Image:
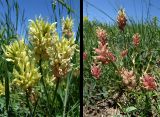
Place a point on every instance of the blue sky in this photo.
(43, 8)
(134, 9)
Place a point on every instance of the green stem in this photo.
(6, 88)
(35, 107)
(27, 100)
(114, 65)
(66, 96)
(134, 61)
(42, 80)
(148, 65)
(148, 110)
(55, 91)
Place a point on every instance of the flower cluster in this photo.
(136, 39)
(121, 19)
(96, 71)
(124, 53)
(67, 25)
(128, 78)
(60, 55)
(84, 55)
(62, 50)
(102, 35)
(104, 55)
(148, 82)
(25, 73)
(40, 34)
(76, 71)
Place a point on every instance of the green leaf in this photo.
(130, 109)
(66, 6)
(159, 107)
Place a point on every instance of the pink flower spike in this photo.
(121, 19)
(96, 71)
(124, 53)
(148, 82)
(102, 35)
(128, 78)
(104, 55)
(111, 57)
(84, 55)
(136, 39)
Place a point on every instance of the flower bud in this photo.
(124, 53)
(121, 19)
(102, 35)
(128, 78)
(148, 82)
(96, 71)
(136, 39)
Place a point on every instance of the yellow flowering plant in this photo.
(40, 35)
(31, 66)
(43, 64)
(67, 25)
(60, 55)
(25, 73)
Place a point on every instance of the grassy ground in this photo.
(108, 95)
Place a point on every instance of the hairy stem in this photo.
(28, 104)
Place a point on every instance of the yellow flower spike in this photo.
(25, 73)
(67, 25)
(85, 19)
(11, 50)
(40, 34)
(2, 89)
(61, 54)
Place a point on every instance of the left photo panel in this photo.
(39, 58)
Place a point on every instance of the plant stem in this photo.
(148, 65)
(55, 91)
(66, 95)
(148, 105)
(147, 109)
(35, 107)
(27, 96)
(6, 88)
(42, 80)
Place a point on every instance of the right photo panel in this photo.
(121, 58)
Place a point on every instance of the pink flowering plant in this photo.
(122, 67)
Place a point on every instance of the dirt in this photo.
(104, 108)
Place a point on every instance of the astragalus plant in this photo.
(42, 69)
(25, 73)
(121, 66)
